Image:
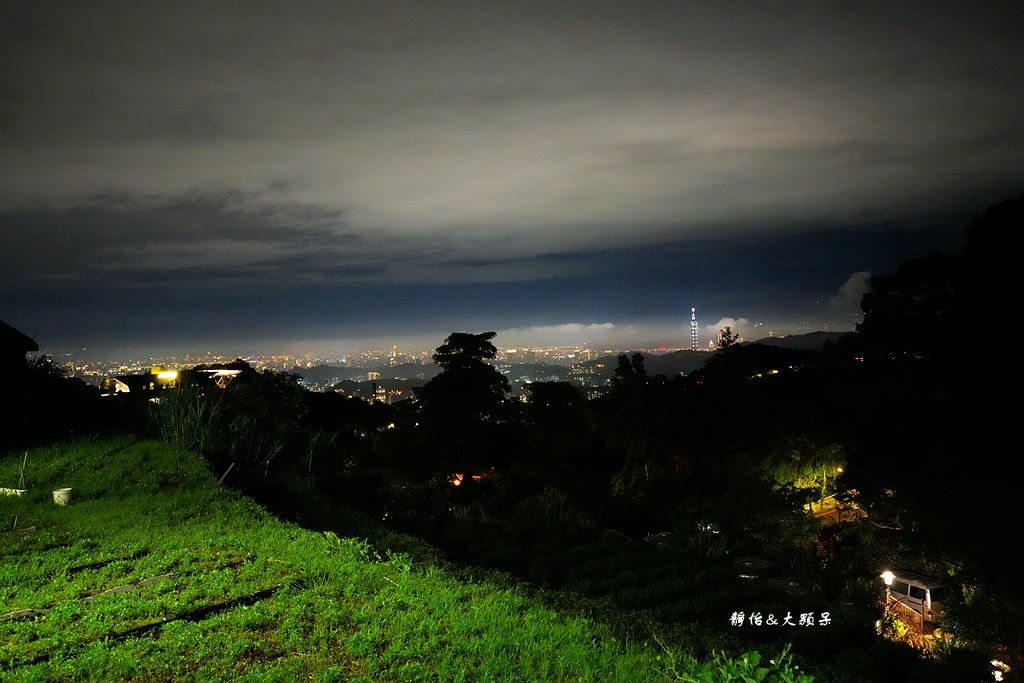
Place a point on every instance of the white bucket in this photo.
(62, 496)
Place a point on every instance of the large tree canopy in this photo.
(943, 432)
(468, 389)
(465, 350)
(460, 406)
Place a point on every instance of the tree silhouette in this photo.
(460, 407)
(630, 371)
(467, 389)
(465, 350)
(942, 432)
(726, 338)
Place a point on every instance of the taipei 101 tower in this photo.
(693, 329)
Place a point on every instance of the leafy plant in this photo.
(745, 668)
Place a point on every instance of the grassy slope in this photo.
(251, 597)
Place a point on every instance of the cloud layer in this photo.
(846, 302)
(512, 165)
(484, 122)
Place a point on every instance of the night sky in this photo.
(243, 177)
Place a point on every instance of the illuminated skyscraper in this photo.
(693, 329)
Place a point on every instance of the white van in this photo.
(923, 594)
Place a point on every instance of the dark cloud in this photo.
(112, 238)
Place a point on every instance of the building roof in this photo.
(916, 579)
(13, 340)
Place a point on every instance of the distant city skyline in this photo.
(250, 177)
(606, 338)
(598, 336)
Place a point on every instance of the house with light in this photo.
(160, 378)
(157, 379)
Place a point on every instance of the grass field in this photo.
(156, 573)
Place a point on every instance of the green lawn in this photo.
(156, 573)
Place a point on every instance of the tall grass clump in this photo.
(191, 419)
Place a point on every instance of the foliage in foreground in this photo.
(222, 590)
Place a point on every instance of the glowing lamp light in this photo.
(888, 576)
(167, 374)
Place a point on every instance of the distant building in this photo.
(693, 328)
(221, 377)
(372, 376)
